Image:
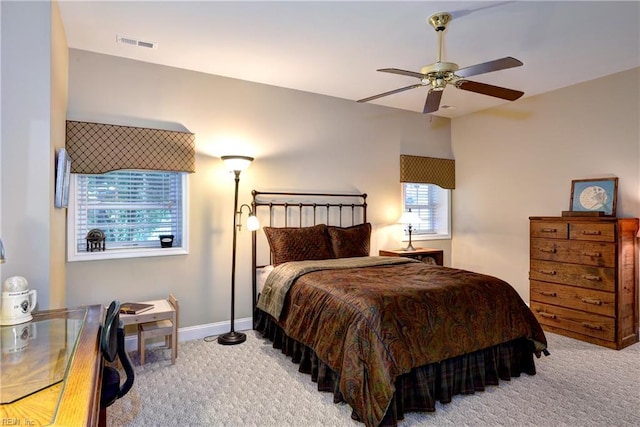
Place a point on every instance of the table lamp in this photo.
(409, 219)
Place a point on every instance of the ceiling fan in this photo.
(439, 74)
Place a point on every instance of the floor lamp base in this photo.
(232, 338)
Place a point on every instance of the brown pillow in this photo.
(350, 241)
(298, 244)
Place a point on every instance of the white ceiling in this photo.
(334, 47)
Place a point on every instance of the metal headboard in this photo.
(283, 209)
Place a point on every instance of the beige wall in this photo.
(512, 162)
(518, 161)
(301, 141)
(33, 109)
(59, 89)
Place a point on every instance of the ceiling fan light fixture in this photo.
(439, 83)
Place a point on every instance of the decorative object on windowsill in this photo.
(236, 164)
(96, 240)
(410, 219)
(166, 240)
(593, 197)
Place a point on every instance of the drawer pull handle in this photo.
(549, 272)
(592, 326)
(591, 301)
(591, 232)
(592, 278)
(549, 230)
(593, 254)
(549, 294)
(547, 315)
(548, 250)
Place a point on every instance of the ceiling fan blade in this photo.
(487, 67)
(402, 72)
(391, 92)
(433, 101)
(486, 89)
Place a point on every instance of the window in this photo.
(432, 204)
(133, 208)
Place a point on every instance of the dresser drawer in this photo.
(588, 253)
(589, 300)
(584, 323)
(550, 230)
(599, 278)
(592, 231)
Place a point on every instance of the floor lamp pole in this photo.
(233, 337)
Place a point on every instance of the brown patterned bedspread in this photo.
(373, 324)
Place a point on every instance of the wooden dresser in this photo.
(584, 278)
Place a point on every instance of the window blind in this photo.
(423, 200)
(133, 208)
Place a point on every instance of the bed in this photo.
(386, 335)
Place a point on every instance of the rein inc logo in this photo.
(16, 422)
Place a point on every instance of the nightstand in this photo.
(421, 254)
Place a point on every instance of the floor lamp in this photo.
(236, 164)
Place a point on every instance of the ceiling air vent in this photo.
(134, 42)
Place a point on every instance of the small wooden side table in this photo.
(162, 309)
(421, 254)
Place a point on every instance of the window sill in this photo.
(419, 237)
(126, 253)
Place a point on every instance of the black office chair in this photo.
(112, 344)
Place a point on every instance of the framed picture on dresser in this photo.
(594, 195)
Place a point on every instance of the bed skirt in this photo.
(423, 386)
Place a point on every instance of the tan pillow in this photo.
(298, 244)
(350, 241)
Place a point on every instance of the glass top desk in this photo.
(50, 368)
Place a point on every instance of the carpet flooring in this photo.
(253, 384)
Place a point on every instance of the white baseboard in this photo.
(196, 332)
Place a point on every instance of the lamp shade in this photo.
(409, 217)
(236, 163)
(252, 223)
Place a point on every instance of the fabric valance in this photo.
(428, 170)
(97, 148)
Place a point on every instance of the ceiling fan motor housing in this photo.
(439, 67)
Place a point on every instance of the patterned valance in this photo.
(97, 148)
(428, 170)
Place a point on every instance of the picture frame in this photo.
(594, 195)
(63, 172)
